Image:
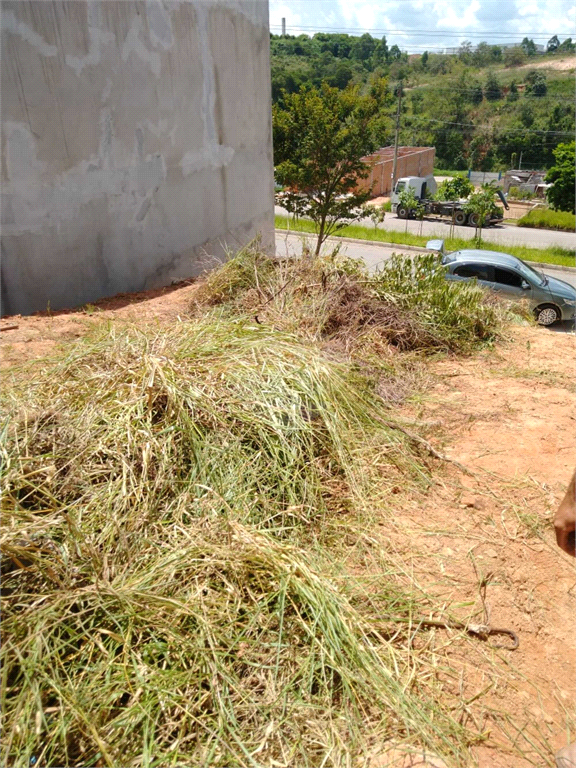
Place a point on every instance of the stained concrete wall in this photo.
(136, 139)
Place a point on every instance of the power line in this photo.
(487, 127)
(420, 32)
(426, 87)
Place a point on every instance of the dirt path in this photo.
(559, 65)
(508, 415)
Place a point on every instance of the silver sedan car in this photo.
(550, 299)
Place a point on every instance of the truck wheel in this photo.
(473, 219)
(402, 212)
(460, 218)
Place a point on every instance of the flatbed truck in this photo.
(454, 210)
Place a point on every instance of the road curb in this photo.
(416, 248)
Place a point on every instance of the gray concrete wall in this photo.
(136, 139)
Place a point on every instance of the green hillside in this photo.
(481, 109)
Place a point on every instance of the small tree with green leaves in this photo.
(456, 188)
(528, 46)
(481, 204)
(536, 84)
(514, 57)
(513, 92)
(408, 202)
(562, 176)
(320, 138)
(375, 213)
(492, 91)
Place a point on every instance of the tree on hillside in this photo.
(465, 51)
(424, 59)
(553, 44)
(562, 176)
(320, 137)
(364, 47)
(513, 92)
(528, 46)
(492, 90)
(476, 94)
(482, 56)
(536, 83)
(381, 53)
(567, 46)
(496, 52)
(514, 57)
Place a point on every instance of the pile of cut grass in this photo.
(549, 219)
(407, 304)
(171, 503)
(167, 597)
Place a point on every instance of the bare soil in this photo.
(507, 414)
(560, 65)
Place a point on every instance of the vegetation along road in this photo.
(373, 255)
(502, 235)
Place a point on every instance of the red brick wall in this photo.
(412, 161)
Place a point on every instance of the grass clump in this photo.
(167, 597)
(407, 304)
(551, 255)
(549, 219)
(454, 315)
(171, 499)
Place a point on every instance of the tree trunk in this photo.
(320, 236)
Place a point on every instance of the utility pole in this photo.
(394, 167)
(283, 27)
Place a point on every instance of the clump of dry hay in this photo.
(166, 592)
(166, 498)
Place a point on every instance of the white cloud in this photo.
(406, 22)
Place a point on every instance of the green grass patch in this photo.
(453, 174)
(548, 219)
(552, 255)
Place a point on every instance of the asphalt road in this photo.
(504, 234)
(375, 255)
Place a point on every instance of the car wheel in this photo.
(546, 314)
(473, 219)
(402, 212)
(460, 218)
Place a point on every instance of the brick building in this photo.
(412, 161)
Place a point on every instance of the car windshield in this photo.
(531, 274)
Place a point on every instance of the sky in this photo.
(418, 25)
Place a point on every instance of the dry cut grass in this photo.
(170, 500)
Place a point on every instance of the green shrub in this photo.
(515, 193)
(548, 219)
(454, 189)
(457, 315)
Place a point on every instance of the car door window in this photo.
(479, 271)
(507, 277)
